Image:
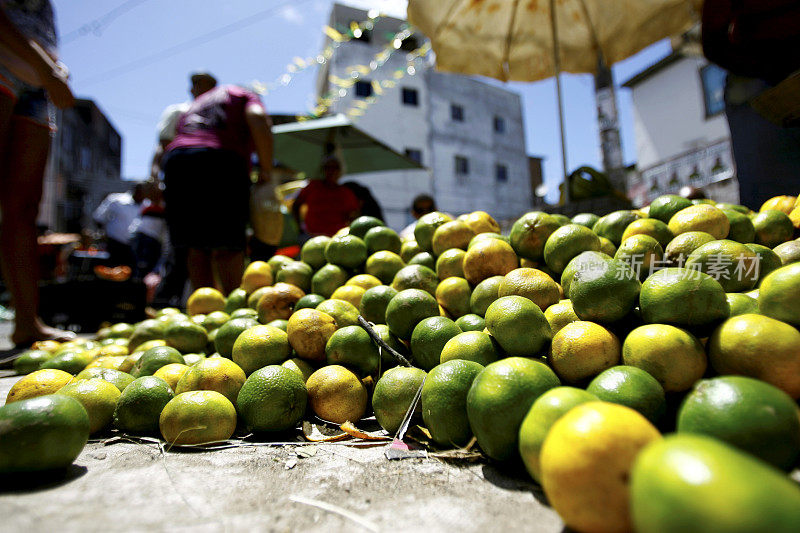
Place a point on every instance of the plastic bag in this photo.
(265, 214)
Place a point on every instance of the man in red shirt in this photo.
(329, 206)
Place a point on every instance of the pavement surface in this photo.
(136, 486)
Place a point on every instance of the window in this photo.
(415, 154)
(461, 165)
(456, 113)
(713, 80)
(410, 96)
(363, 89)
(501, 173)
(499, 125)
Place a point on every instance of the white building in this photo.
(682, 136)
(468, 133)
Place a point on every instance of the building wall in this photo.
(669, 114)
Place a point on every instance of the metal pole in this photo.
(557, 62)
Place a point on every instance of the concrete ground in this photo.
(124, 486)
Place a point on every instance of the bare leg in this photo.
(199, 264)
(229, 265)
(24, 147)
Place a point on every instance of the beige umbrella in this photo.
(530, 40)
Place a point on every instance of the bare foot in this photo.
(40, 332)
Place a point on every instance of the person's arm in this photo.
(260, 127)
(158, 156)
(297, 205)
(52, 76)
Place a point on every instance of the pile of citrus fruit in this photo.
(569, 345)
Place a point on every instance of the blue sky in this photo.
(134, 62)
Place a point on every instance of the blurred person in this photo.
(172, 286)
(207, 181)
(368, 205)
(30, 75)
(329, 206)
(149, 233)
(758, 43)
(422, 205)
(115, 215)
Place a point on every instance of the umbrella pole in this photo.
(559, 97)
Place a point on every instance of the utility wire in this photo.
(99, 24)
(249, 20)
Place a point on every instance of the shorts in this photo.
(207, 198)
(30, 102)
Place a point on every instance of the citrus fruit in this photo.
(278, 302)
(444, 401)
(487, 235)
(277, 262)
(171, 373)
(382, 238)
(214, 320)
(229, 332)
(155, 358)
(255, 297)
(280, 323)
(544, 412)
(69, 361)
(450, 263)
(530, 232)
(741, 304)
(560, 314)
(407, 309)
(313, 251)
(349, 293)
(607, 247)
(214, 373)
(393, 394)
(642, 253)
(361, 225)
(308, 333)
(476, 346)
(144, 331)
(29, 361)
(336, 394)
(604, 291)
(567, 242)
(582, 261)
(429, 338)
(374, 301)
(768, 260)
(684, 298)
(784, 204)
(789, 252)
(365, 281)
(758, 346)
(425, 259)
(327, 279)
(273, 398)
(772, 228)
(43, 433)
(582, 350)
(671, 355)
(500, 397)
(296, 273)
(192, 358)
(140, 405)
(683, 245)
(487, 258)
(415, 277)
(471, 322)
(205, 300)
(612, 225)
(731, 263)
(586, 461)
(426, 227)
(481, 222)
(197, 417)
(117, 378)
(97, 396)
(343, 313)
(705, 485)
(384, 265)
(632, 387)
(453, 234)
(532, 284)
(746, 413)
(779, 294)
(387, 359)
(651, 227)
(585, 219)
(260, 346)
(38, 383)
(453, 294)
(186, 337)
(302, 368)
(309, 301)
(351, 346)
(408, 249)
(256, 275)
(484, 294)
(700, 217)
(518, 325)
(664, 207)
(742, 229)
